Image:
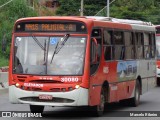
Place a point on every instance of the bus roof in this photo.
(100, 22)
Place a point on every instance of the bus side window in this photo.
(147, 47)
(152, 44)
(97, 34)
(129, 45)
(139, 45)
(95, 50)
(93, 57)
(119, 45)
(108, 46)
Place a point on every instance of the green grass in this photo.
(3, 61)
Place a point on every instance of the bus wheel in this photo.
(36, 109)
(99, 109)
(136, 99)
(158, 81)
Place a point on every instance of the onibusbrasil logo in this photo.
(21, 114)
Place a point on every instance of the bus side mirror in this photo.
(94, 49)
(4, 44)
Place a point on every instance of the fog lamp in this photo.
(70, 88)
(63, 89)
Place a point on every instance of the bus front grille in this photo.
(45, 81)
(54, 100)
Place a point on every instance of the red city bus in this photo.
(158, 53)
(80, 61)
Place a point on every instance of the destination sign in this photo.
(55, 26)
(50, 27)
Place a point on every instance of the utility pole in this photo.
(107, 8)
(81, 10)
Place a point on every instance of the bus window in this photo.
(96, 33)
(119, 45)
(108, 46)
(95, 49)
(129, 45)
(152, 43)
(146, 46)
(139, 45)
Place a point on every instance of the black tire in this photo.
(99, 109)
(36, 109)
(158, 81)
(136, 99)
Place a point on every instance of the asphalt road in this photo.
(149, 105)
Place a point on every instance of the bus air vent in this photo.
(21, 80)
(21, 76)
(55, 89)
(36, 89)
(55, 100)
(45, 81)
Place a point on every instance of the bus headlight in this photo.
(17, 84)
(77, 86)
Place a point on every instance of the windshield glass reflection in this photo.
(33, 55)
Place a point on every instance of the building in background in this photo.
(51, 4)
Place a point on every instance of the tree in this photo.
(146, 10)
(8, 15)
(72, 7)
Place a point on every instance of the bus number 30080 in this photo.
(69, 79)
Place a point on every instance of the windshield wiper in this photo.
(45, 44)
(40, 45)
(58, 48)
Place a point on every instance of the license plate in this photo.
(45, 97)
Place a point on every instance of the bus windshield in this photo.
(158, 46)
(34, 55)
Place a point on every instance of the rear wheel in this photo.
(36, 109)
(158, 81)
(136, 99)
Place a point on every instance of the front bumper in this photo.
(77, 97)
